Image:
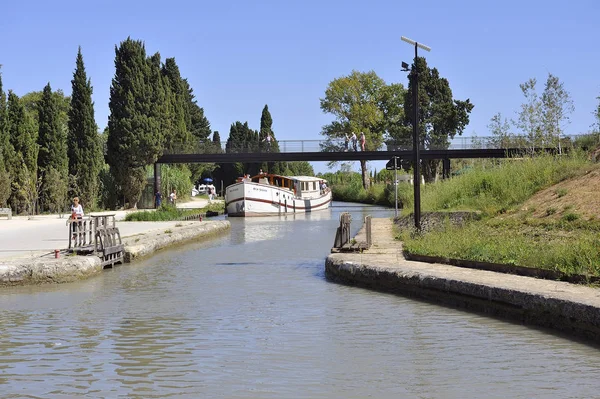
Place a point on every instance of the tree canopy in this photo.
(356, 103)
(441, 117)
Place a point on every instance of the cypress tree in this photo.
(266, 123)
(84, 151)
(199, 126)
(3, 133)
(177, 99)
(5, 150)
(23, 165)
(135, 136)
(52, 143)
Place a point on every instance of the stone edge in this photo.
(570, 317)
(18, 272)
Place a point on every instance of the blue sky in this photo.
(240, 55)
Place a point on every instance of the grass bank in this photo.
(167, 213)
(535, 212)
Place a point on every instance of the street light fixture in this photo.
(416, 156)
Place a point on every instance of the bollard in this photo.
(57, 253)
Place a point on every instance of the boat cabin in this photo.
(303, 186)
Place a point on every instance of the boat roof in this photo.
(298, 178)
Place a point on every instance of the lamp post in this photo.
(416, 156)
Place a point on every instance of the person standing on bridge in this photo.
(353, 138)
(362, 141)
(346, 141)
(268, 139)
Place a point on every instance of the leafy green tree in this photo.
(52, 141)
(530, 115)
(440, 116)
(557, 105)
(85, 152)
(23, 165)
(596, 113)
(355, 102)
(135, 136)
(392, 107)
(500, 131)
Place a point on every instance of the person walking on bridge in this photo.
(354, 142)
(362, 141)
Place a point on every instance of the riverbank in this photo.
(570, 308)
(28, 247)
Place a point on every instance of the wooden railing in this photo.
(97, 234)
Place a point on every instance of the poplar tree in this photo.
(52, 159)
(135, 137)
(84, 151)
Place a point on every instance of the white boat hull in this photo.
(255, 199)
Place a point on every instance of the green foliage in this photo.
(588, 141)
(297, 168)
(570, 217)
(55, 191)
(5, 184)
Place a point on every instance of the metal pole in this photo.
(416, 157)
(396, 186)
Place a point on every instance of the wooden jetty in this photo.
(96, 235)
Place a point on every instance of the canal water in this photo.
(251, 315)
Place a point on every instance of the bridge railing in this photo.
(338, 145)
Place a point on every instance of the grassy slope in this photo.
(542, 212)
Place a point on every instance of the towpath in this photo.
(41, 235)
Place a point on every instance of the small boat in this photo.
(268, 195)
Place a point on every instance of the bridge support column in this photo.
(446, 168)
(157, 180)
